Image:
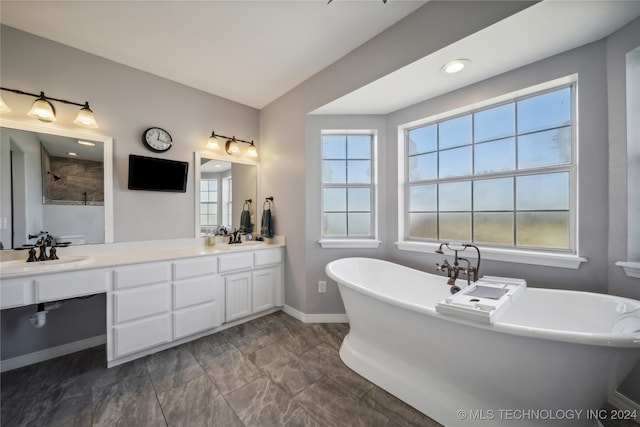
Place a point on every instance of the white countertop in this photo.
(114, 254)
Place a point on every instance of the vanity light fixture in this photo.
(231, 146)
(251, 151)
(87, 143)
(4, 108)
(212, 143)
(455, 66)
(43, 110)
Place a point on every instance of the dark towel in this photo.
(267, 225)
(245, 222)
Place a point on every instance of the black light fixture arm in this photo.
(233, 138)
(42, 95)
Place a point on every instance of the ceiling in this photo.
(253, 52)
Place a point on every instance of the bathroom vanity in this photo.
(157, 299)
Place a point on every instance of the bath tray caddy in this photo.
(485, 300)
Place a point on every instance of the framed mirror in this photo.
(224, 189)
(54, 180)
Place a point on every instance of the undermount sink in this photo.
(22, 266)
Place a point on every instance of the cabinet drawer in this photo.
(268, 257)
(138, 275)
(13, 292)
(240, 261)
(194, 291)
(49, 288)
(140, 335)
(142, 302)
(196, 319)
(187, 268)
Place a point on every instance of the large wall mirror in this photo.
(57, 181)
(224, 189)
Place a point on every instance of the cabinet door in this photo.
(263, 284)
(238, 292)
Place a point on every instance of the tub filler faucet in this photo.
(453, 271)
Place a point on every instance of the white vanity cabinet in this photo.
(139, 309)
(258, 287)
(27, 290)
(198, 296)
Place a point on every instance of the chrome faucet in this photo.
(453, 271)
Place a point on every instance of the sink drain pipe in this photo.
(39, 319)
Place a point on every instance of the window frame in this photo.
(567, 258)
(210, 202)
(370, 241)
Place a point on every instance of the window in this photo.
(208, 202)
(501, 176)
(227, 201)
(348, 190)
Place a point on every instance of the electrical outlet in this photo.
(322, 287)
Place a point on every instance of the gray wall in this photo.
(618, 44)
(284, 168)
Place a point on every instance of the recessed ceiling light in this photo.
(72, 153)
(87, 143)
(455, 66)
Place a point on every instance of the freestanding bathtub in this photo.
(553, 357)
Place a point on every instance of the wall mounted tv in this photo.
(153, 174)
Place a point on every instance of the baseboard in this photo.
(51, 353)
(621, 401)
(315, 318)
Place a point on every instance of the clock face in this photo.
(157, 140)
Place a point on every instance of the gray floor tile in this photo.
(197, 403)
(129, 402)
(397, 410)
(104, 377)
(231, 370)
(286, 369)
(172, 367)
(261, 403)
(332, 405)
(327, 359)
(249, 338)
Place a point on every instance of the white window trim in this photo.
(515, 255)
(346, 242)
(349, 243)
(631, 266)
(548, 259)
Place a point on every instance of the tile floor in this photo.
(271, 371)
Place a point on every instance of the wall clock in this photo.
(157, 140)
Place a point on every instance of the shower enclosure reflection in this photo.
(54, 180)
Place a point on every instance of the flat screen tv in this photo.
(153, 174)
